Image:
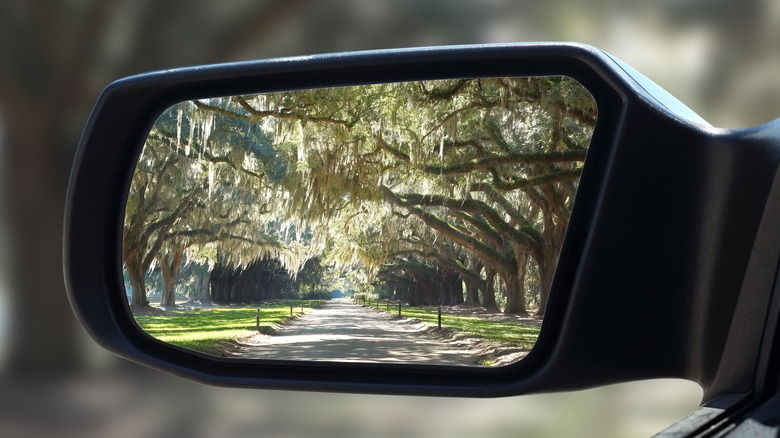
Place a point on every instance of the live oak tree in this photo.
(199, 181)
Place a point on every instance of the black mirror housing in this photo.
(671, 242)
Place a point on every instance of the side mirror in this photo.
(423, 179)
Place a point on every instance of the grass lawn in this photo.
(506, 332)
(205, 329)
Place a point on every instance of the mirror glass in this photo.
(413, 222)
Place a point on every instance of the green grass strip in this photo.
(506, 332)
(204, 329)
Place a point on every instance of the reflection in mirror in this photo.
(415, 222)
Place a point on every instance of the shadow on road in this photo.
(343, 331)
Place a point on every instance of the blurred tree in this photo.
(55, 57)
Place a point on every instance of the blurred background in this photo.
(719, 57)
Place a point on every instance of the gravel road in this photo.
(344, 331)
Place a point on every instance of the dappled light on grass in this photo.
(204, 329)
(510, 332)
(341, 330)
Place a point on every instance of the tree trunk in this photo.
(169, 268)
(515, 296)
(203, 293)
(546, 273)
(472, 287)
(547, 262)
(168, 298)
(515, 286)
(455, 283)
(137, 283)
(472, 293)
(245, 285)
(489, 294)
(219, 282)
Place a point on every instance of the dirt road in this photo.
(347, 332)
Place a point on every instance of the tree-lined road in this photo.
(433, 192)
(347, 332)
